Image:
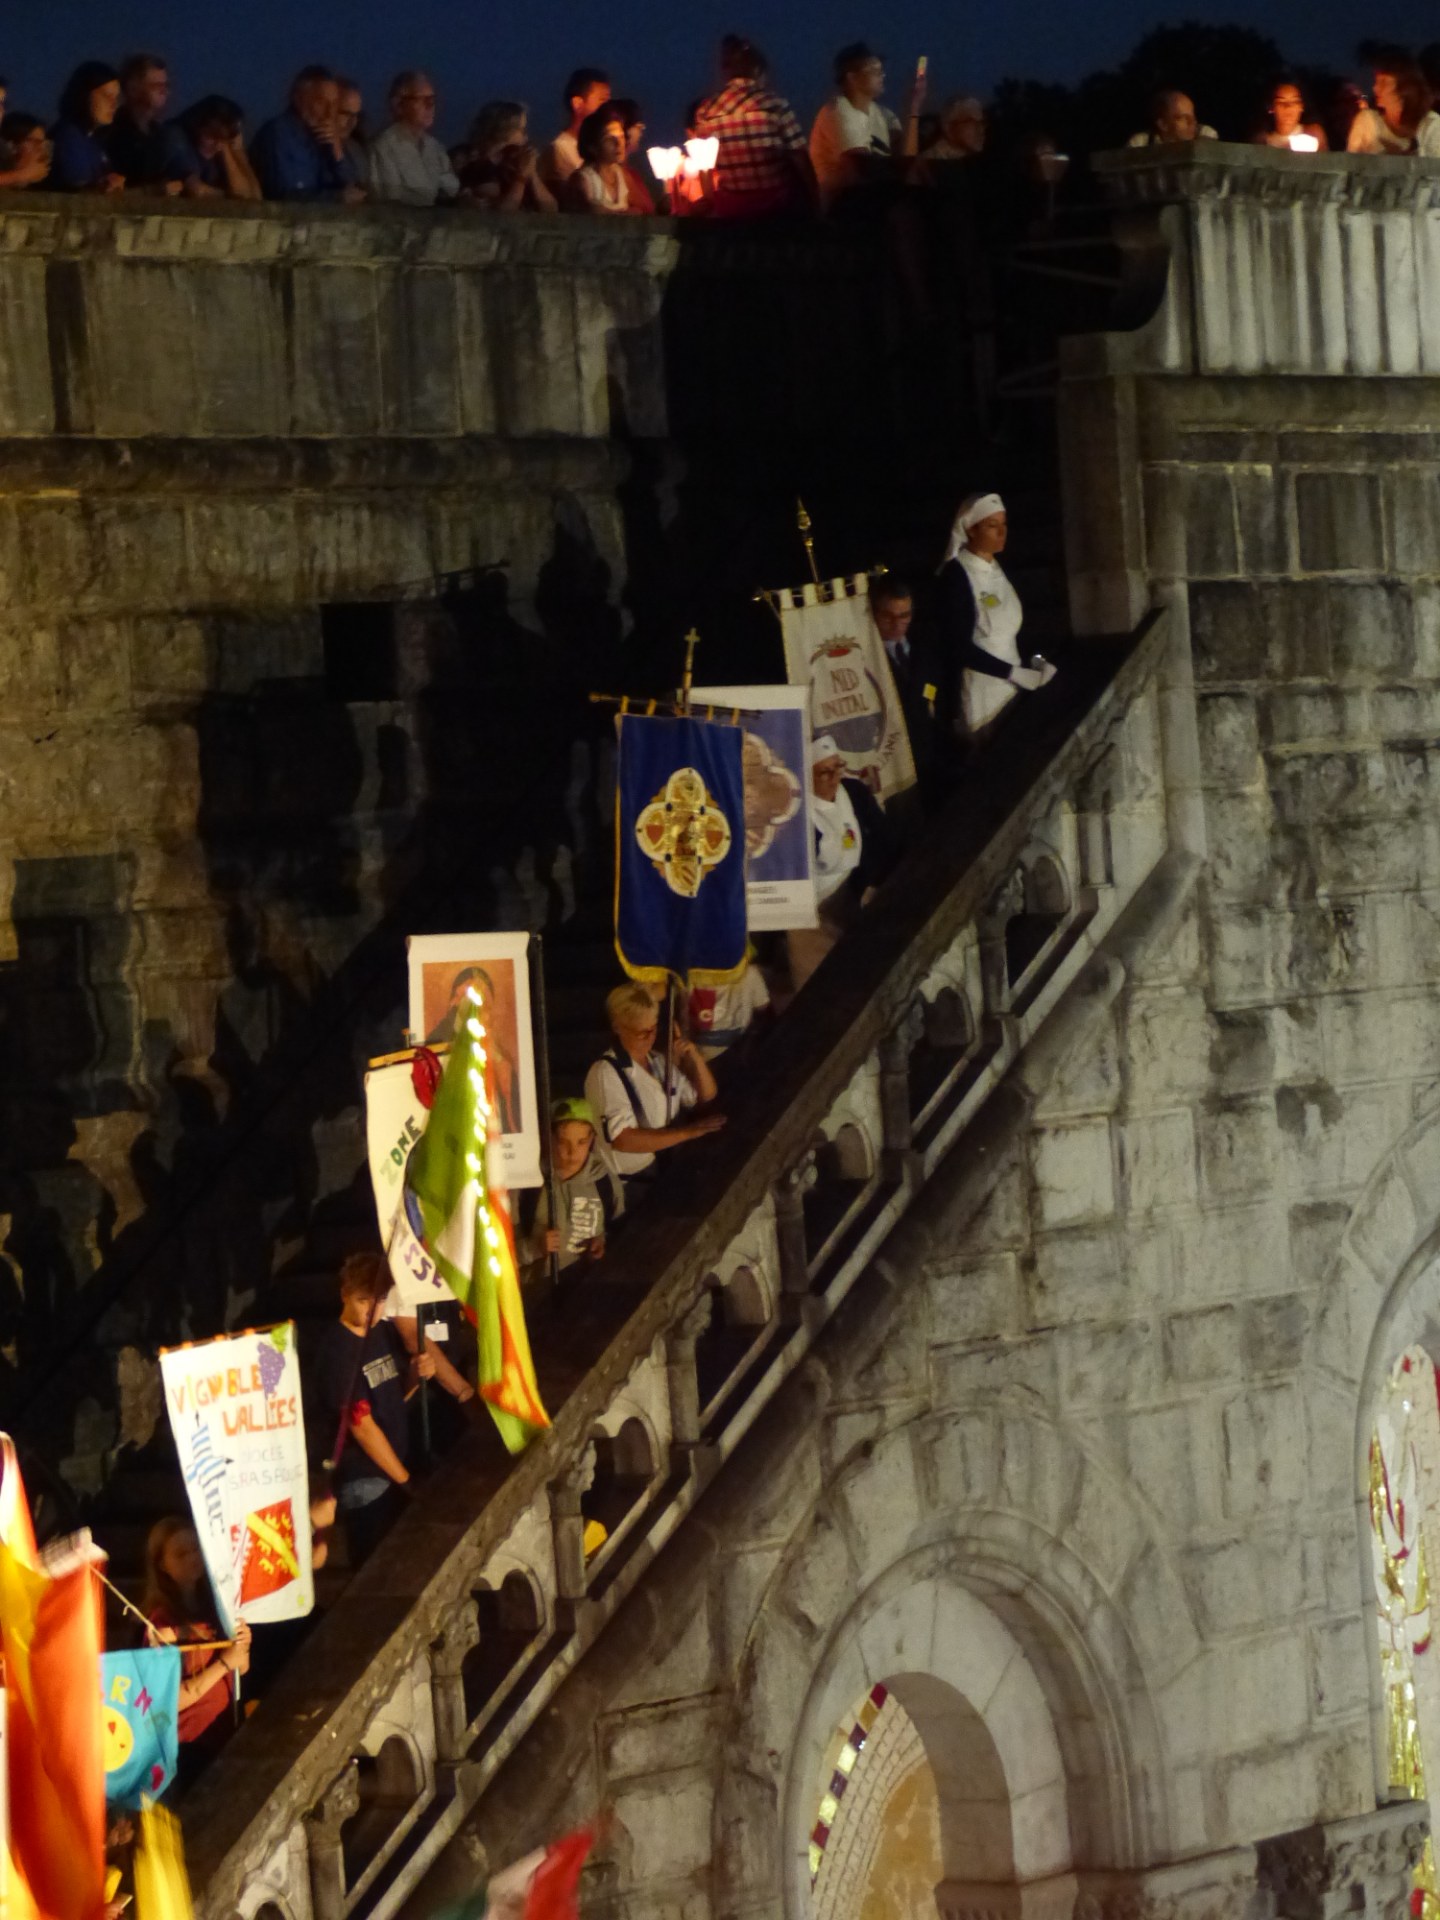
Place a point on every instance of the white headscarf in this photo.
(978, 507)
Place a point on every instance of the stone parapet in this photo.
(1254, 260)
(662, 1403)
(238, 321)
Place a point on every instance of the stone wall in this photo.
(1087, 1447)
(316, 525)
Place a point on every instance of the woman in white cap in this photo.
(981, 616)
(852, 855)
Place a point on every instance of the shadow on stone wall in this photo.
(329, 828)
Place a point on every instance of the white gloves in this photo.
(1031, 679)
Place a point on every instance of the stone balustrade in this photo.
(234, 321)
(366, 1754)
(1319, 272)
(1276, 262)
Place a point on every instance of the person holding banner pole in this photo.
(853, 854)
(542, 1069)
(178, 1607)
(626, 1088)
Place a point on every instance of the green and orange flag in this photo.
(457, 1208)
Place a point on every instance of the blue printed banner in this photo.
(140, 1705)
(680, 850)
(779, 842)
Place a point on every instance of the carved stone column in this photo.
(895, 1050)
(447, 1685)
(1007, 900)
(339, 1803)
(1095, 796)
(568, 1524)
(680, 1343)
(1354, 1866)
(790, 1227)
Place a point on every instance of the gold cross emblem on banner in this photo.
(683, 832)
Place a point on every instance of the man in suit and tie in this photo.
(927, 691)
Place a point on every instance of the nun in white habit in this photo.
(981, 616)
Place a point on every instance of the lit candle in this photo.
(1304, 143)
(702, 154)
(665, 162)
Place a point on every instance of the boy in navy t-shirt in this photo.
(364, 1375)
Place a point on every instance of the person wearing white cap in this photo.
(982, 616)
(852, 854)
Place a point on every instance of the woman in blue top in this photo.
(79, 162)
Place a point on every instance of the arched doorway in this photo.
(942, 1789)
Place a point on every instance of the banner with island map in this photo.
(239, 1427)
(833, 647)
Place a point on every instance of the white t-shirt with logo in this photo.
(841, 128)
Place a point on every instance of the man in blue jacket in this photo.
(299, 155)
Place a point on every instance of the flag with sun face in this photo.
(140, 1704)
(454, 1204)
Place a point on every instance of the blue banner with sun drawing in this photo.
(680, 850)
(140, 1702)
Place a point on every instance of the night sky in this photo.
(660, 53)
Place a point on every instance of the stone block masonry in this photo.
(294, 502)
(1130, 1357)
(1073, 1461)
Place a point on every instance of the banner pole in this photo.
(420, 1311)
(669, 1039)
(540, 1032)
(807, 535)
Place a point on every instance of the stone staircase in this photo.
(908, 529)
(365, 1756)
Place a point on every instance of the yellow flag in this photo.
(162, 1889)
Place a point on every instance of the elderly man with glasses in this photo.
(408, 165)
(962, 130)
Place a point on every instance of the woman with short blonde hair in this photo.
(630, 1090)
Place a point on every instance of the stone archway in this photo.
(987, 1728)
(1382, 1297)
(936, 1811)
(924, 1546)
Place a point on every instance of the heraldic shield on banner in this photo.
(680, 850)
(833, 646)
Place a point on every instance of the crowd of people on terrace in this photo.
(746, 153)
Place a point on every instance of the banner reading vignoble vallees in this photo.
(235, 1411)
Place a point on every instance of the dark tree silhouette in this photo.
(1227, 70)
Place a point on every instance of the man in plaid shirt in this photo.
(763, 165)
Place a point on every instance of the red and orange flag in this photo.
(50, 1637)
